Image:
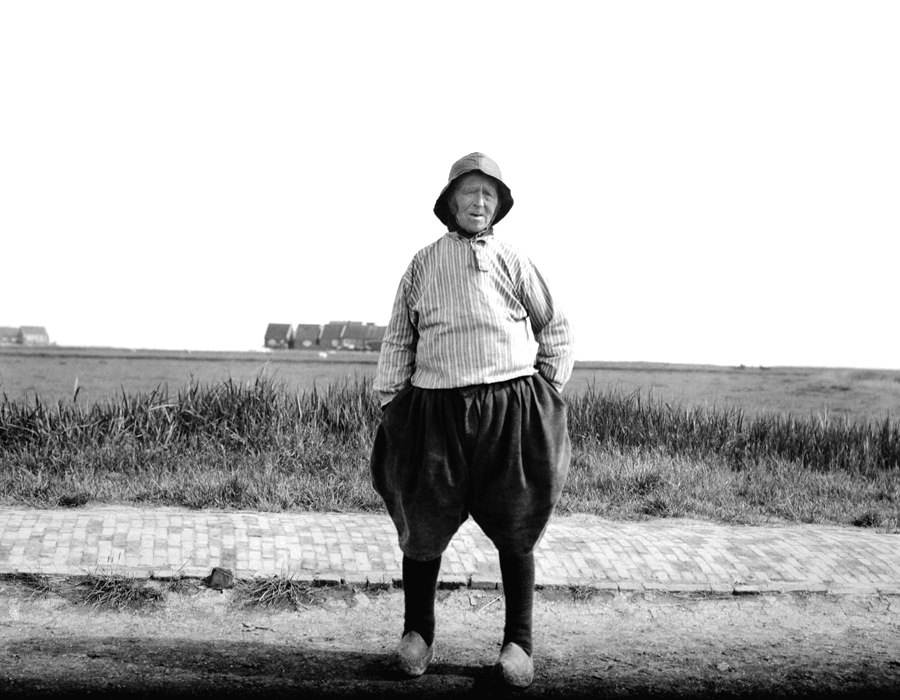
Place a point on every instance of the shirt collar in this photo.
(483, 236)
(478, 244)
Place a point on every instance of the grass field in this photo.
(647, 441)
(101, 374)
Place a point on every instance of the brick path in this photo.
(671, 555)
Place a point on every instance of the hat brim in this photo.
(442, 204)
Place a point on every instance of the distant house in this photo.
(33, 335)
(332, 334)
(306, 335)
(354, 337)
(335, 335)
(374, 336)
(279, 336)
(9, 335)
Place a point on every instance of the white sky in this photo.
(703, 182)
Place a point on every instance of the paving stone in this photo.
(453, 582)
(484, 584)
(653, 555)
(851, 589)
(630, 586)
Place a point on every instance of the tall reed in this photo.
(258, 445)
(638, 421)
(233, 416)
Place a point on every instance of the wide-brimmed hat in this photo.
(467, 164)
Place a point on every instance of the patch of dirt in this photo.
(200, 642)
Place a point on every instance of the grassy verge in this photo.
(105, 590)
(119, 592)
(258, 446)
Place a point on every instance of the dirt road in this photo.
(200, 643)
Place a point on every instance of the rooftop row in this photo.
(336, 335)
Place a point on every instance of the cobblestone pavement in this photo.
(666, 554)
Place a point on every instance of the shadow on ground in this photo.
(108, 667)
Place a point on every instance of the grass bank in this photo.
(257, 445)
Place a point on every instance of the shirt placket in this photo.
(479, 247)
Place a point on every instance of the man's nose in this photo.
(479, 199)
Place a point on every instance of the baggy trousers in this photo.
(498, 452)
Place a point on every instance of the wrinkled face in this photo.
(474, 202)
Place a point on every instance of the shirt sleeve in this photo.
(552, 331)
(397, 359)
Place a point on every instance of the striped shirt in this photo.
(472, 311)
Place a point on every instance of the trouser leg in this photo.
(419, 469)
(517, 571)
(519, 463)
(419, 591)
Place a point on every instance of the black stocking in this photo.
(419, 589)
(518, 589)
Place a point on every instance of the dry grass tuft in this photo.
(277, 592)
(110, 591)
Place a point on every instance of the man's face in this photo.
(474, 202)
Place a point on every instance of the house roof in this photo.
(33, 330)
(355, 330)
(334, 330)
(278, 331)
(307, 331)
(375, 332)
